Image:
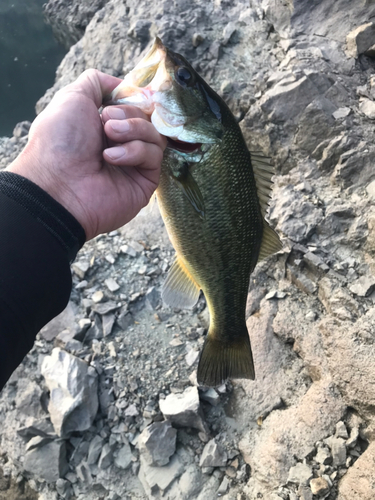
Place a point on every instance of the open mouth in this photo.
(184, 147)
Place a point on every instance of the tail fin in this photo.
(220, 360)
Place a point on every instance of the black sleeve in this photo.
(38, 240)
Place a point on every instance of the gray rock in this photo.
(140, 30)
(152, 297)
(80, 267)
(123, 458)
(213, 455)
(106, 457)
(211, 396)
(108, 320)
(28, 399)
(323, 456)
(360, 39)
(112, 285)
(124, 320)
(73, 392)
(84, 473)
(363, 287)
(183, 410)
(300, 474)
(319, 486)
(368, 108)
(338, 450)
(128, 250)
(155, 479)
(305, 493)
(341, 430)
(341, 113)
(157, 443)
(47, 461)
(95, 448)
(223, 488)
(95, 331)
(103, 308)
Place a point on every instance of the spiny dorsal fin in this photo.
(263, 173)
(270, 242)
(179, 289)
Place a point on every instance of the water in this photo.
(29, 56)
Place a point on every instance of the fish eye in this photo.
(183, 76)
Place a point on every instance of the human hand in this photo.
(66, 155)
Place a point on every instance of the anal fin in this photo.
(180, 289)
(270, 242)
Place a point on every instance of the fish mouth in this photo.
(183, 147)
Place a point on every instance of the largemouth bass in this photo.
(213, 198)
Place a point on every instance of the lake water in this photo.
(29, 56)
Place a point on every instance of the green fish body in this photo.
(213, 204)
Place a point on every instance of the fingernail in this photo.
(115, 153)
(116, 113)
(120, 125)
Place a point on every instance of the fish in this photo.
(213, 196)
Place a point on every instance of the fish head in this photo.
(181, 104)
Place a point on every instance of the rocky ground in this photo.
(106, 405)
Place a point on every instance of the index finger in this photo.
(95, 85)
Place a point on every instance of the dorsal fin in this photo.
(180, 289)
(263, 173)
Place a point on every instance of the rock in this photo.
(154, 479)
(226, 86)
(341, 431)
(112, 285)
(300, 474)
(80, 267)
(65, 320)
(223, 488)
(28, 399)
(123, 458)
(338, 450)
(358, 481)
(213, 455)
(95, 331)
(211, 396)
(21, 129)
(108, 320)
(153, 298)
(323, 456)
(131, 411)
(371, 190)
(106, 307)
(367, 107)
(229, 32)
(84, 473)
(128, 250)
(360, 39)
(190, 482)
(106, 457)
(341, 113)
(305, 493)
(97, 296)
(197, 39)
(191, 357)
(319, 486)
(157, 443)
(140, 30)
(47, 461)
(73, 392)
(183, 410)
(95, 448)
(363, 287)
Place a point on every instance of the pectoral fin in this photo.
(180, 289)
(190, 189)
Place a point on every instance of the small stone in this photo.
(229, 32)
(371, 190)
(95, 448)
(84, 473)
(157, 443)
(106, 307)
(341, 113)
(81, 284)
(213, 455)
(367, 107)
(300, 474)
(323, 456)
(106, 457)
(319, 486)
(191, 357)
(112, 285)
(183, 410)
(341, 431)
(80, 268)
(131, 411)
(128, 250)
(352, 441)
(226, 86)
(360, 39)
(124, 457)
(159, 478)
(305, 493)
(364, 286)
(176, 342)
(73, 390)
(97, 296)
(338, 450)
(275, 294)
(211, 396)
(110, 258)
(108, 320)
(197, 39)
(152, 297)
(223, 488)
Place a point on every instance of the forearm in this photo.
(39, 238)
